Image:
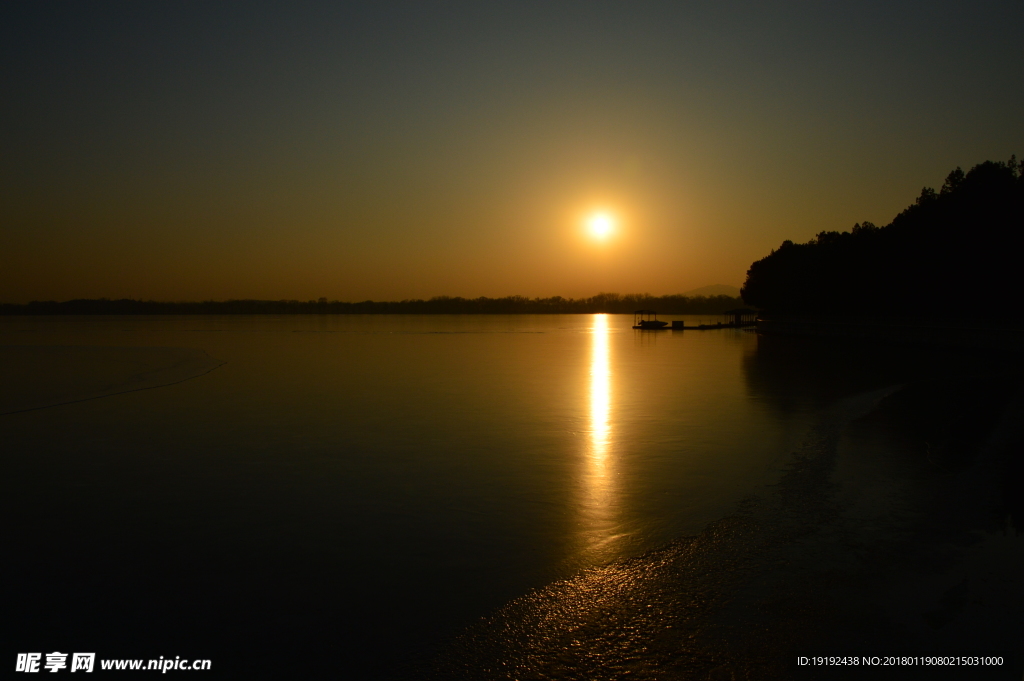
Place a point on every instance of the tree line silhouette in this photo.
(602, 302)
(950, 252)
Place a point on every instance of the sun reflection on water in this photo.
(600, 393)
(599, 522)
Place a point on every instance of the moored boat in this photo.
(648, 320)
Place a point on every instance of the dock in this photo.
(646, 320)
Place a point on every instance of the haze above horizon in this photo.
(209, 150)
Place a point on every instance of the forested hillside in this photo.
(952, 252)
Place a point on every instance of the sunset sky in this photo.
(389, 150)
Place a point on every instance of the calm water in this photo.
(347, 491)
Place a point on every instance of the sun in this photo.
(601, 225)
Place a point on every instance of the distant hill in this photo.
(714, 290)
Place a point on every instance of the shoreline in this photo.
(864, 547)
(603, 303)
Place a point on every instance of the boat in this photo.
(647, 320)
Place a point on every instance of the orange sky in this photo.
(195, 151)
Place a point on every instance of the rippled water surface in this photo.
(356, 488)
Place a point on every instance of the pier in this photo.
(646, 320)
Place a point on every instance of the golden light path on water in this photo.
(599, 522)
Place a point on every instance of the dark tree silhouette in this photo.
(602, 302)
(950, 252)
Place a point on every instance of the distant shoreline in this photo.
(611, 303)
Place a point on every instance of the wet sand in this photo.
(37, 376)
(891, 533)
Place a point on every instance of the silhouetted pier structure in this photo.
(647, 320)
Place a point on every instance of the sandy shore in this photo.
(890, 534)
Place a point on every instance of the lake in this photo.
(347, 492)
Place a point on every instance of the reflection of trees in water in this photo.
(945, 415)
(791, 373)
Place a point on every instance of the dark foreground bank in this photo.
(894, 538)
